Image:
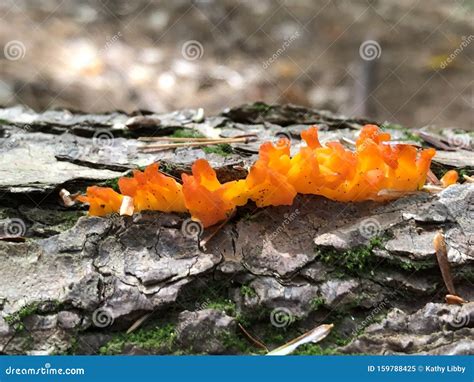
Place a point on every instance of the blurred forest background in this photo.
(163, 55)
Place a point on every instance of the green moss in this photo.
(224, 305)
(244, 320)
(316, 303)
(158, 338)
(314, 349)
(187, 133)
(413, 266)
(354, 260)
(329, 345)
(237, 344)
(465, 171)
(254, 316)
(261, 107)
(274, 337)
(336, 338)
(167, 168)
(113, 347)
(247, 291)
(112, 183)
(209, 296)
(70, 218)
(376, 242)
(73, 346)
(360, 260)
(222, 149)
(15, 320)
(407, 133)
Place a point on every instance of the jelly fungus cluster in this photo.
(275, 178)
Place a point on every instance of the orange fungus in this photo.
(330, 170)
(451, 177)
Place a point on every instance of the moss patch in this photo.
(261, 107)
(412, 266)
(354, 261)
(247, 291)
(314, 349)
(70, 218)
(158, 339)
(237, 344)
(359, 261)
(316, 303)
(15, 320)
(222, 149)
(46, 221)
(465, 171)
(407, 133)
(112, 183)
(187, 133)
(223, 305)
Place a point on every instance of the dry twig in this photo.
(468, 179)
(432, 188)
(253, 339)
(433, 179)
(138, 323)
(166, 146)
(199, 139)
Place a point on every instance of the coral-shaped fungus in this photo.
(152, 190)
(329, 170)
(102, 200)
(206, 198)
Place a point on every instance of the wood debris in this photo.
(66, 197)
(313, 336)
(453, 299)
(443, 262)
(253, 339)
(193, 142)
(126, 208)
